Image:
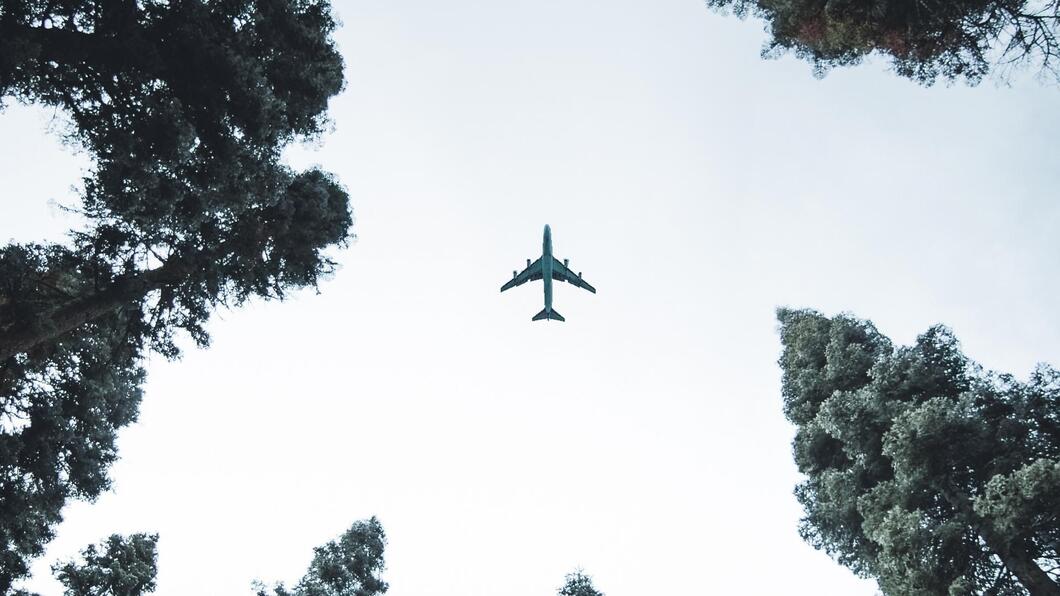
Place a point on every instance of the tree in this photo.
(123, 567)
(924, 40)
(60, 408)
(271, 248)
(922, 470)
(578, 584)
(349, 566)
(185, 108)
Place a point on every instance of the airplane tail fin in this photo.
(551, 315)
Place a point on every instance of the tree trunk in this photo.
(1014, 556)
(27, 335)
(1037, 582)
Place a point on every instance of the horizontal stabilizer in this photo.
(549, 314)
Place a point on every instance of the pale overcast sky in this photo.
(697, 186)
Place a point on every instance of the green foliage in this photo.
(1028, 499)
(922, 470)
(61, 407)
(952, 39)
(125, 567)
(185, 108)
(349, 566)
(578, 584)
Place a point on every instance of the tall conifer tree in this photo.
(923, 470)
(185, 108)
(952, 39)
(348, 566)
(119, 567)
(577, 583)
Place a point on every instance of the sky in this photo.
(697, 186)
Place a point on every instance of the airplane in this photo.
(547, 268)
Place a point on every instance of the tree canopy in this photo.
(577, 583)
(185, 108)
(955, 39)
(349, 566)
(127, 566)
(922, 470)
(123, 567)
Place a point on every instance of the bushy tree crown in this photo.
(922, 470)
(951, 39)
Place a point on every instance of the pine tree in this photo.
(578, 583)
(185, 109)
(924, 40)
(922, 470)
(121, 567)
(349, 566)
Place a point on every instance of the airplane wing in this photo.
(531, 273)
(561, 273)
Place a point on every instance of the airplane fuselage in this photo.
(546, 267)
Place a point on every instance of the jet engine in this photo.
(566, 262)
(528, 263)
(515, 274)
(579, 274)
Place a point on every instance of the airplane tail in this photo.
(551, 315)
